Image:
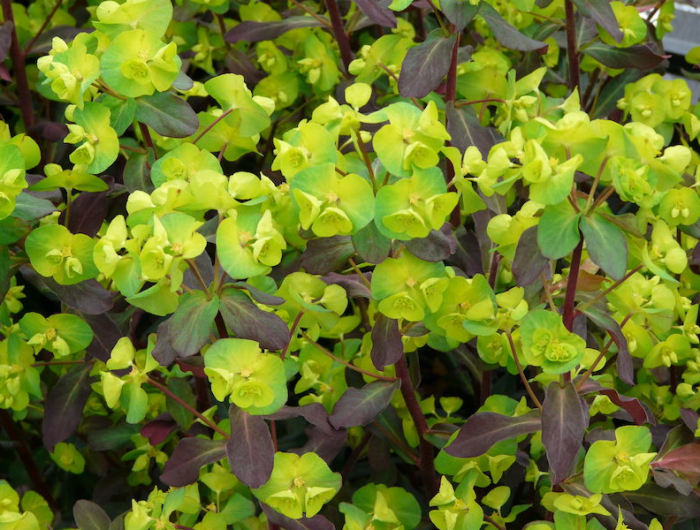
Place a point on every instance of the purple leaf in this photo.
(685, 460)
(250, 31)
(248, 321)
(159, 429)
(167, 114)
(564, 422)
(6, 38)
(484, 429)
(325, 444)
(690, 418)
(87, 213)
(317, 522)
(250, 449)
(314, 413)
(465, 130)
(5, 276)
(260, 296)
(326, 254)
(665, 502)
(106, 334)
(625, 369)
(458, 12)
(640, 57)
(387, 347)
(188, 329)
(426, 65)
(506, 34)
(359, 406)
(64, 405)
(602, 13)
(529, 262)
(352, 283)
(188, 458)
(438, 246)
(640, 414)
(88, 297)
(90, 516)
(371, 245)
(237, 62)
(377, 11)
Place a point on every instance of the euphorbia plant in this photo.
(358, 264)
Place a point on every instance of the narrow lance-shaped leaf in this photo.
(377, 11)
(665, 501)
(387, 347)
(189, 456)
(251, 31)
(250, 450)
(465, 130)
(459, 12)
(606, 245)
(685, 460)
(90, 516)
(506, 34)
(426, 65)
(484, 429)
(317, 522)
(640, 57)
(529, 262)
(64, 405)
(625, 370)
(640, 414)
(602, 13)
(359, 406)
(564, 422)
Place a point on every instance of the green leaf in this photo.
(250, 450)
(167, 114)
(640, 57)
(188, 329)
(30, 208)
(12, 229)
(65, 404)
(484, 429)
(606, 245)
(90, 516)
(189, 456)
(371, 245)
(5, 275)
(113, 437)
(602, 13)
(506, 34)
(426, 65)
(181, 388)
(359, 406)
(558, 232)
(564, 422)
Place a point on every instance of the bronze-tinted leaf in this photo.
(685, 460)
(88, 297)
(625, 369)
(377, 11)
(465, 130)
(387, 347)
(64, 405)
(371, 245)
(426, 65)
(459, 12)
(359, 406)
(665, 501)
(250, 449)
(189, 456)
(564, 422)
(248, 321)
(484, 429)
(251, 31)
(635, 408)
(529, 262)
(640, 57)
(438, 246)
(326, 254)
(167, 114)
(602, 13)
(506, 34)
(90, 516)
(353, 285)
(317, 522)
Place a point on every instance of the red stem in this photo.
(574, 74)
(25, 96)
(451, 88)
(339, 31)
(427, 465)
(569, 300)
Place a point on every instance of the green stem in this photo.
(610, 289)
(523, 378)
(292, 332)
(212, 125)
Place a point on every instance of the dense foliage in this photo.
(359, 264)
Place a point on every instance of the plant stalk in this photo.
(339, 32)
(523, 378)
(427, 459)
(20, 71)
(569, 300)
(574, 74)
